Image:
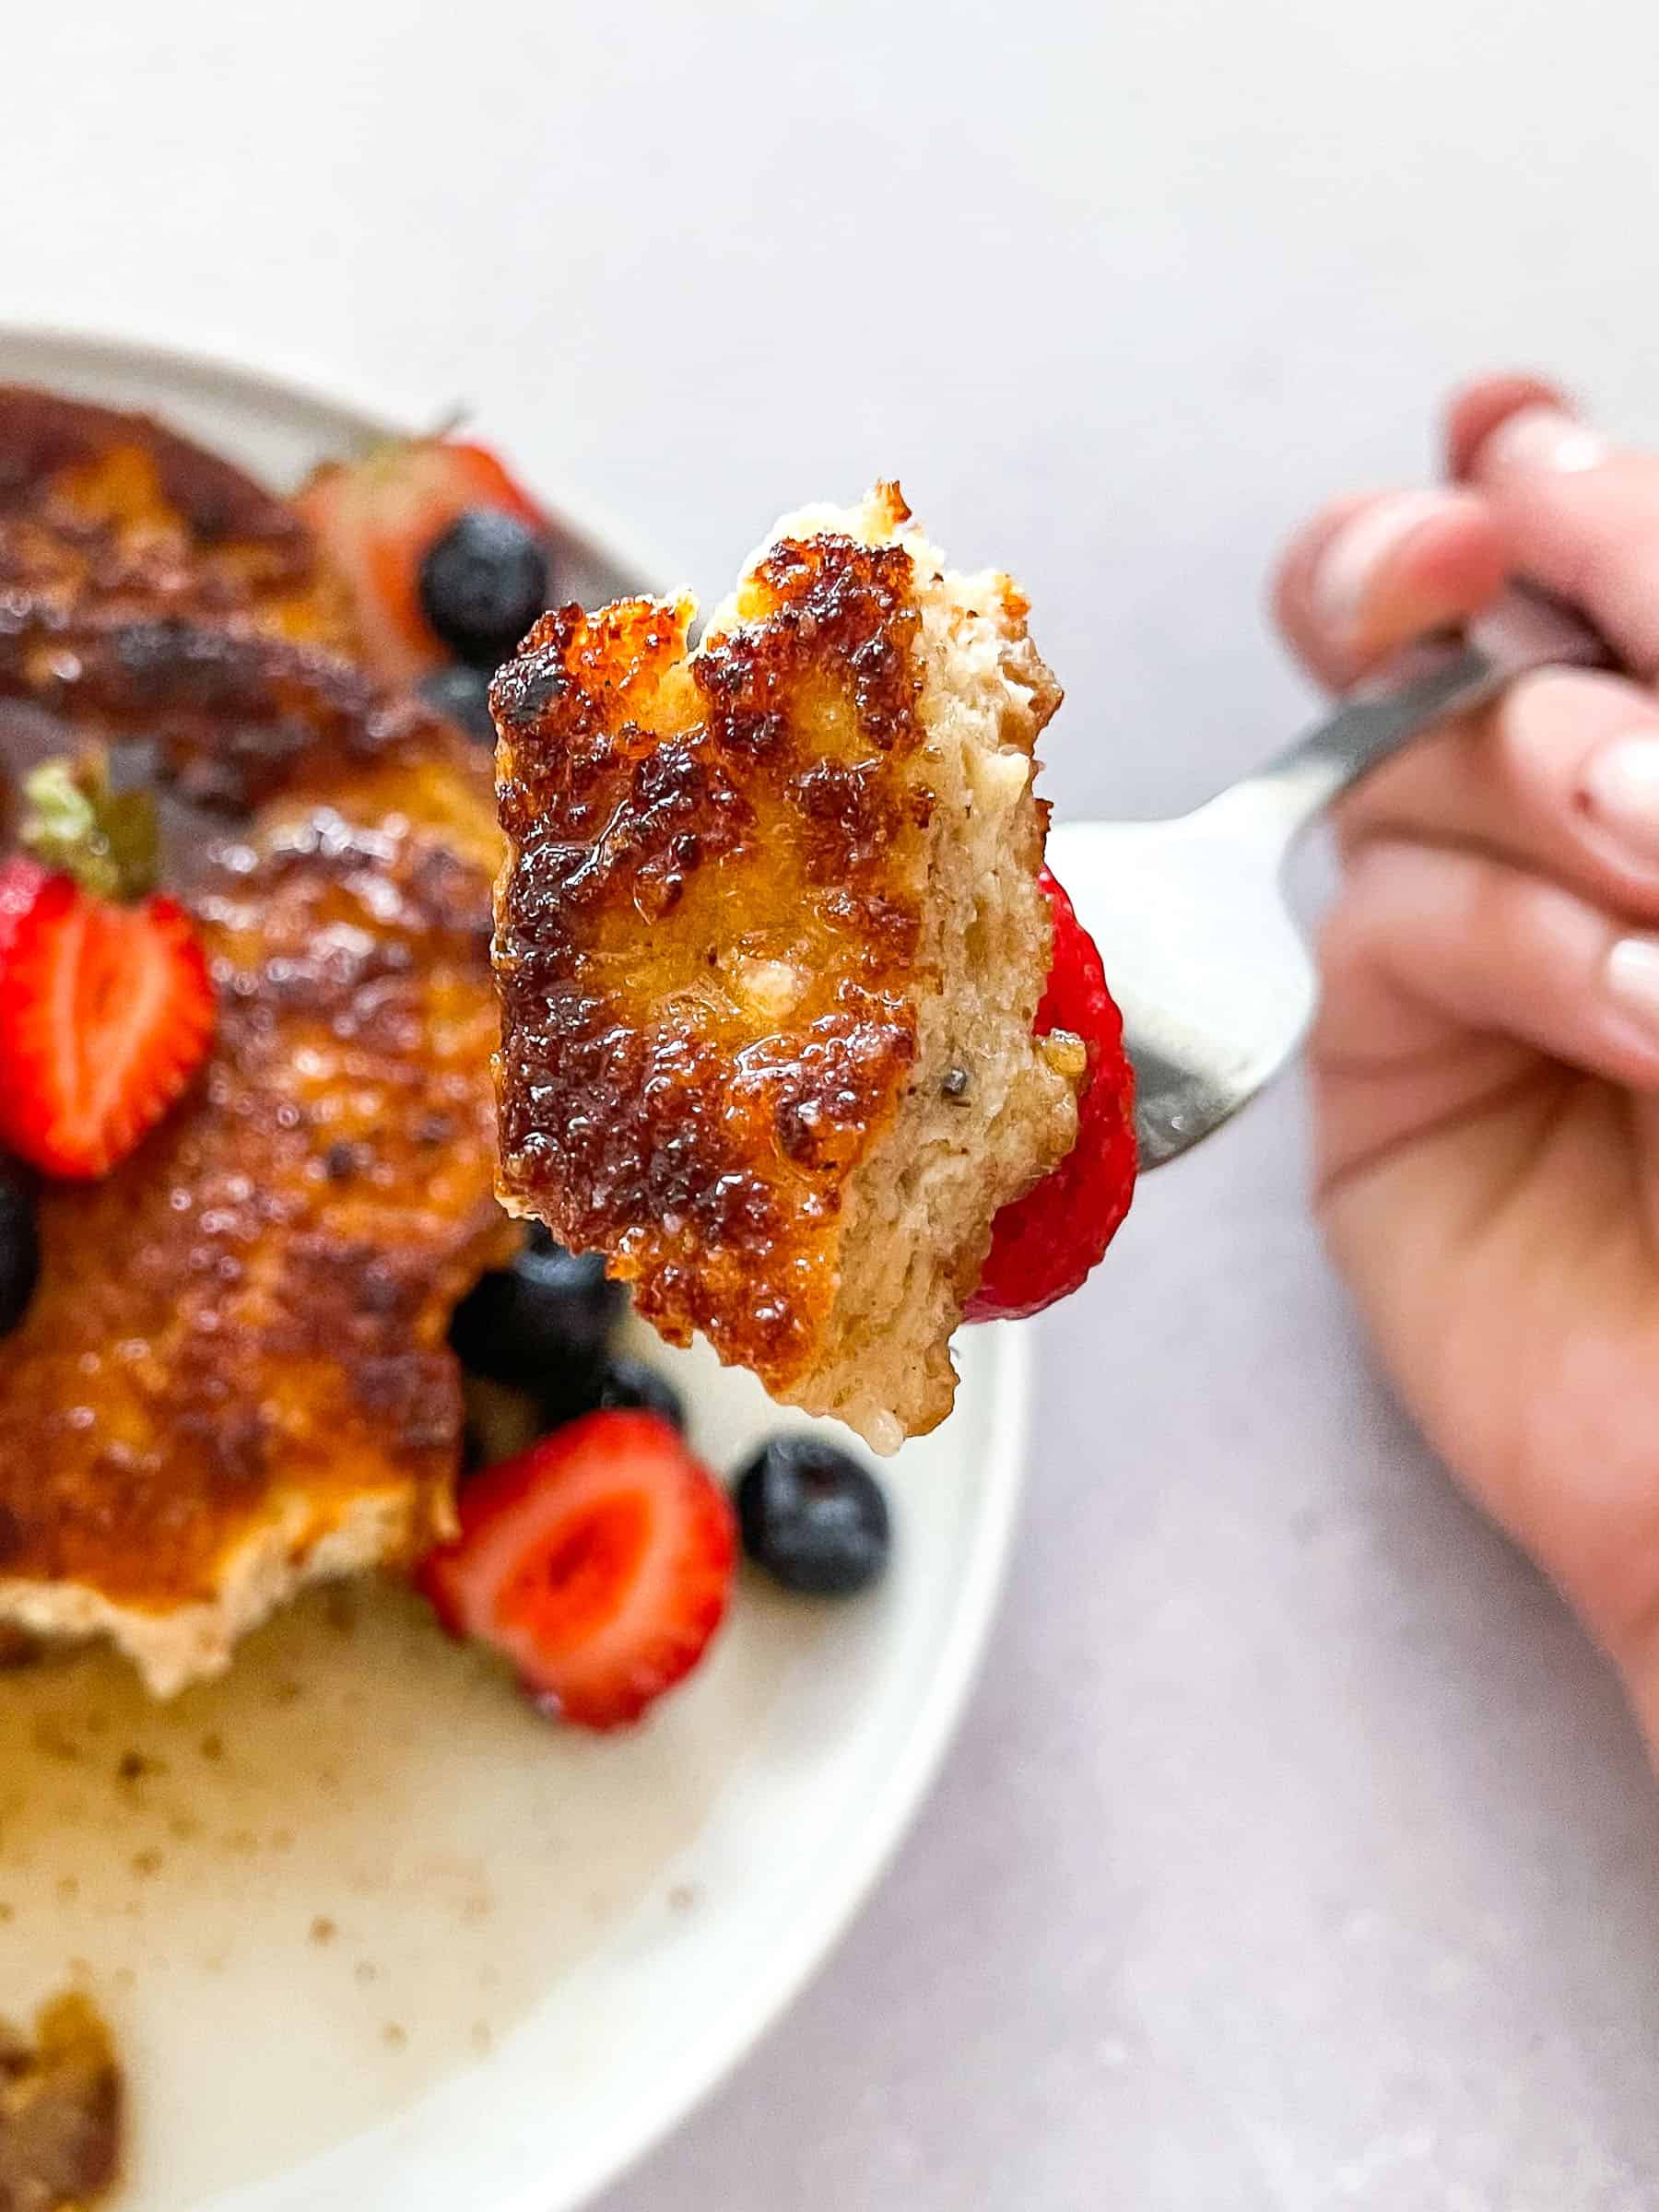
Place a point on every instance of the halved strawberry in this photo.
(599, 1562)
(1045, 1244)
(106, 1012)
(376, 519)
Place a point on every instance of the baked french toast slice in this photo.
(769, 944)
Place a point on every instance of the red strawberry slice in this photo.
(106, 1012)
(599, 1562)
(376, 518)
(1045, 1244)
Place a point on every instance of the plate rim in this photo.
(1006, 1361)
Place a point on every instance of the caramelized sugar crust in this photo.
(103, 509)
(234, 714)
(694, 1098)
(250, 1312)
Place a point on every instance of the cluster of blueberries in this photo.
(812, 1515)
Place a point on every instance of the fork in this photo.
(1201, 952)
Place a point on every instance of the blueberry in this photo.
(482, 584)
(631, 1383)
(462, 696)
(544, 1323)
(19, 1254)
(567, 1393)
(813, 1517)
(616, 1382)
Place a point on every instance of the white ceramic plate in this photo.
(371, 1935)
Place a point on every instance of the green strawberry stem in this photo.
(374, 452)
(78, 824)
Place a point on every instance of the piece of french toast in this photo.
(769, 944)
(233, 1376)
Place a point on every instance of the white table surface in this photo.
(1296, 1851)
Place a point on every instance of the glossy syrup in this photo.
(305, 1894)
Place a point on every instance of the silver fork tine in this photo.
(1200, 950)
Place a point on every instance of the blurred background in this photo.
(1296, 1852)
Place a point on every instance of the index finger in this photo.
(1371, 573)
(1581, 513)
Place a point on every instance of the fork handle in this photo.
(1527, 628)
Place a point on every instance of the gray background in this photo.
(1296, 1852)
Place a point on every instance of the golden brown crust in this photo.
(694, 1099)
(235, 715)
(241, 1331)
(103, 509)
(255, 1304)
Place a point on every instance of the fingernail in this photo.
(1351, 561)
(1543, 437)
(1620, 788)
(1634, 981)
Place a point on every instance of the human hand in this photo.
(1484, 1065)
